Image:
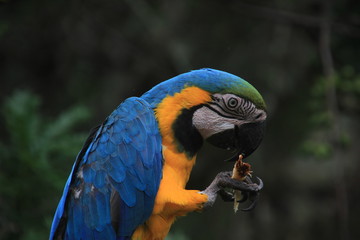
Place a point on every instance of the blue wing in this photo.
(112, 187)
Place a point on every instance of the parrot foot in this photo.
(249, 190)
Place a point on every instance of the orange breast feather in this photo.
(173, 199)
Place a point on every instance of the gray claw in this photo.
(223, 180)
(254, 198)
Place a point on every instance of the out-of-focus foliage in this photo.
(34, 160)
(97, 53)
(348, 90)
(317, 145)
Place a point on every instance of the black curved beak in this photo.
(244, 139)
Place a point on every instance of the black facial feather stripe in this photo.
(241, 108)
(222, 108)
(220, 114)
(233, 110)
(247, 106)
(238, 110)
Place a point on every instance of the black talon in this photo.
(254, 197)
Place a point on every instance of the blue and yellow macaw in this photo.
(128, 181)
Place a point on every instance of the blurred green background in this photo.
(65, 65)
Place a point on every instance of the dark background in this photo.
(65, 65)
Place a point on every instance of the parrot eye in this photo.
(232, 106)
(232, 103)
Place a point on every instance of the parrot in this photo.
(129, 179)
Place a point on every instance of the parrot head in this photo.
(231, 122)
(210, 105)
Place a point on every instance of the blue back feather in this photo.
(124, 159)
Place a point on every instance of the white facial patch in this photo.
(208, 122)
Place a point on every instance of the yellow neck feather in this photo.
(170, 108)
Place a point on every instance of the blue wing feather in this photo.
(112, 187)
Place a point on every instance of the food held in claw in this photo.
(240, 171)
